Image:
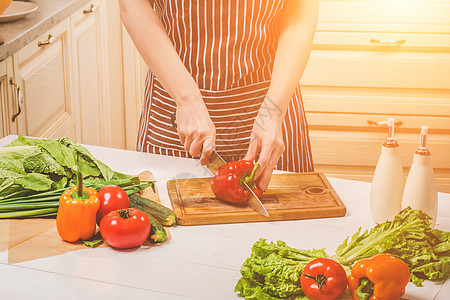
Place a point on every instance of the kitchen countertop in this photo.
(199, 262)
(19, 33)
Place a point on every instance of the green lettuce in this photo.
(273, 271)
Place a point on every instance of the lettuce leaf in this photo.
(273, 271)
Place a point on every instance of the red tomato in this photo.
(323, 279)
(112, 197)
(125, 228)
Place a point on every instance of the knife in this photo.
(254, 203)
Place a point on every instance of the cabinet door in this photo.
(42, 72)
(87, 47)
(98, 74)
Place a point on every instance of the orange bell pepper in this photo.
(77, 214)
(380, 277)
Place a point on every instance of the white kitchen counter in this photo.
(199, 262)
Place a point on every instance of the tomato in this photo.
(112, 197)
(125, 228)
(323, 279)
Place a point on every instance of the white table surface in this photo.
(199, 262)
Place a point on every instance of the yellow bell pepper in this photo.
(77, 213)
(380, 277)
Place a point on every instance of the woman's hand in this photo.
(267, 139)
(196, 130)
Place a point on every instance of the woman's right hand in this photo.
(196, 129)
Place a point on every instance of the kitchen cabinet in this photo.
(97, 57)
(68, 79)
(42, 72)
(86, 52)
(372, 60)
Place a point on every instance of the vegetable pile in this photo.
(35, 172)
(121, 226)
(42, 177)
(273, 269)
(409, 237)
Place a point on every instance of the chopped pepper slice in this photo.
(76, 218)
(380, 277)
(227, 184)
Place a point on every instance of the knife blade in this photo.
(215, 161)
(254, 203)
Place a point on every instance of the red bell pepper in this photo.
(227, 184)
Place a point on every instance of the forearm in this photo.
(294, 47)
(157, 50)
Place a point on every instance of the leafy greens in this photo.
(273, 269)
(29, 165)
(409, 237)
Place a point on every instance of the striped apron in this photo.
(228, 46)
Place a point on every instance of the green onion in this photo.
(27, 213)
(21, 206)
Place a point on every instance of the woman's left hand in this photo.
(267, 140)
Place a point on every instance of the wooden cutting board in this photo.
(290, 196)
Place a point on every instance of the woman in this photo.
(226, 73)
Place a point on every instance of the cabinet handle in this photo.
(92, 9)
(19, 98)
(384, 123)
(388, 42)
(50, 40)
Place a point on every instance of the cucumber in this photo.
(164, 215)
(157, 232)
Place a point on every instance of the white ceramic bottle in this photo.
(420, 188)
(387, 183)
